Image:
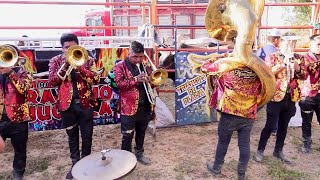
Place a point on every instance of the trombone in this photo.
(8, 56)
(157, 77)
(76, 56)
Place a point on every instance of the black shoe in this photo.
(215, 171)
(259, 156)
(280, 155)
(143, 159)
(305, 149)
(69, 175)
(241, 176)
(17, 176)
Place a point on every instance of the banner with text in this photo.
(42, 97)
(191, 94)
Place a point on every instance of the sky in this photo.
(42, 15)
(59, 15)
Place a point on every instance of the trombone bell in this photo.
(159, 77)
(8, 56)
(76, 56)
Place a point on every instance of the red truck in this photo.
(96, 18)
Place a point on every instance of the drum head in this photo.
(117, 164)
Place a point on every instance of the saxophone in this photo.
(229, 19)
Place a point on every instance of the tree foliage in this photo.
(297, 16)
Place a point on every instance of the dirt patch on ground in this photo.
(176, 153)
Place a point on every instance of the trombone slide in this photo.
(147, 88)
(66, 73)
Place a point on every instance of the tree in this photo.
(297, 16)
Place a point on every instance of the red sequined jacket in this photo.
(234, 92)
(14, 99)
(276, 63)
(86, 77)
(312, 65)
(128, 88)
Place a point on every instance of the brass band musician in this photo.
(74, 72)
(311, 102)
(135, 109)
(14, 110)
(288, 68)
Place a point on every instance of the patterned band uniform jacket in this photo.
(14, 99)
(312, 86)
(234, 92)
(128, 88)
(86, 77)
(292, 86)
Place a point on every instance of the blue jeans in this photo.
(227, 125)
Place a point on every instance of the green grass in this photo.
(278, 170)
(187, 166)
(6, 175)
(39, 164)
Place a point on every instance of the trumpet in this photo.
(157, 77)
(8, 56)
(76, 56)
(289, 59)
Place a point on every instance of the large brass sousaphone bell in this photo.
(8, 56)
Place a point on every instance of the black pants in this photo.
(227, 125)
(138, 123)
(281, 113)
(308, 106)
(18, 133)
(72, 119)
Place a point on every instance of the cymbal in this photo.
(117, 164)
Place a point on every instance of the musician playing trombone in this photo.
(135, 109)
(74, 72)
(14, 112)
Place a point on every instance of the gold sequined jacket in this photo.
(14, 98)
(284, 85)
(86, 76)
(128, 88)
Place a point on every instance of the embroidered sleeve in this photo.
(302, 74)
(91, 75)
(311, 67)
(149, 72)
(121, 80)
(273, 62)
(22, 81)
(54, 79)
